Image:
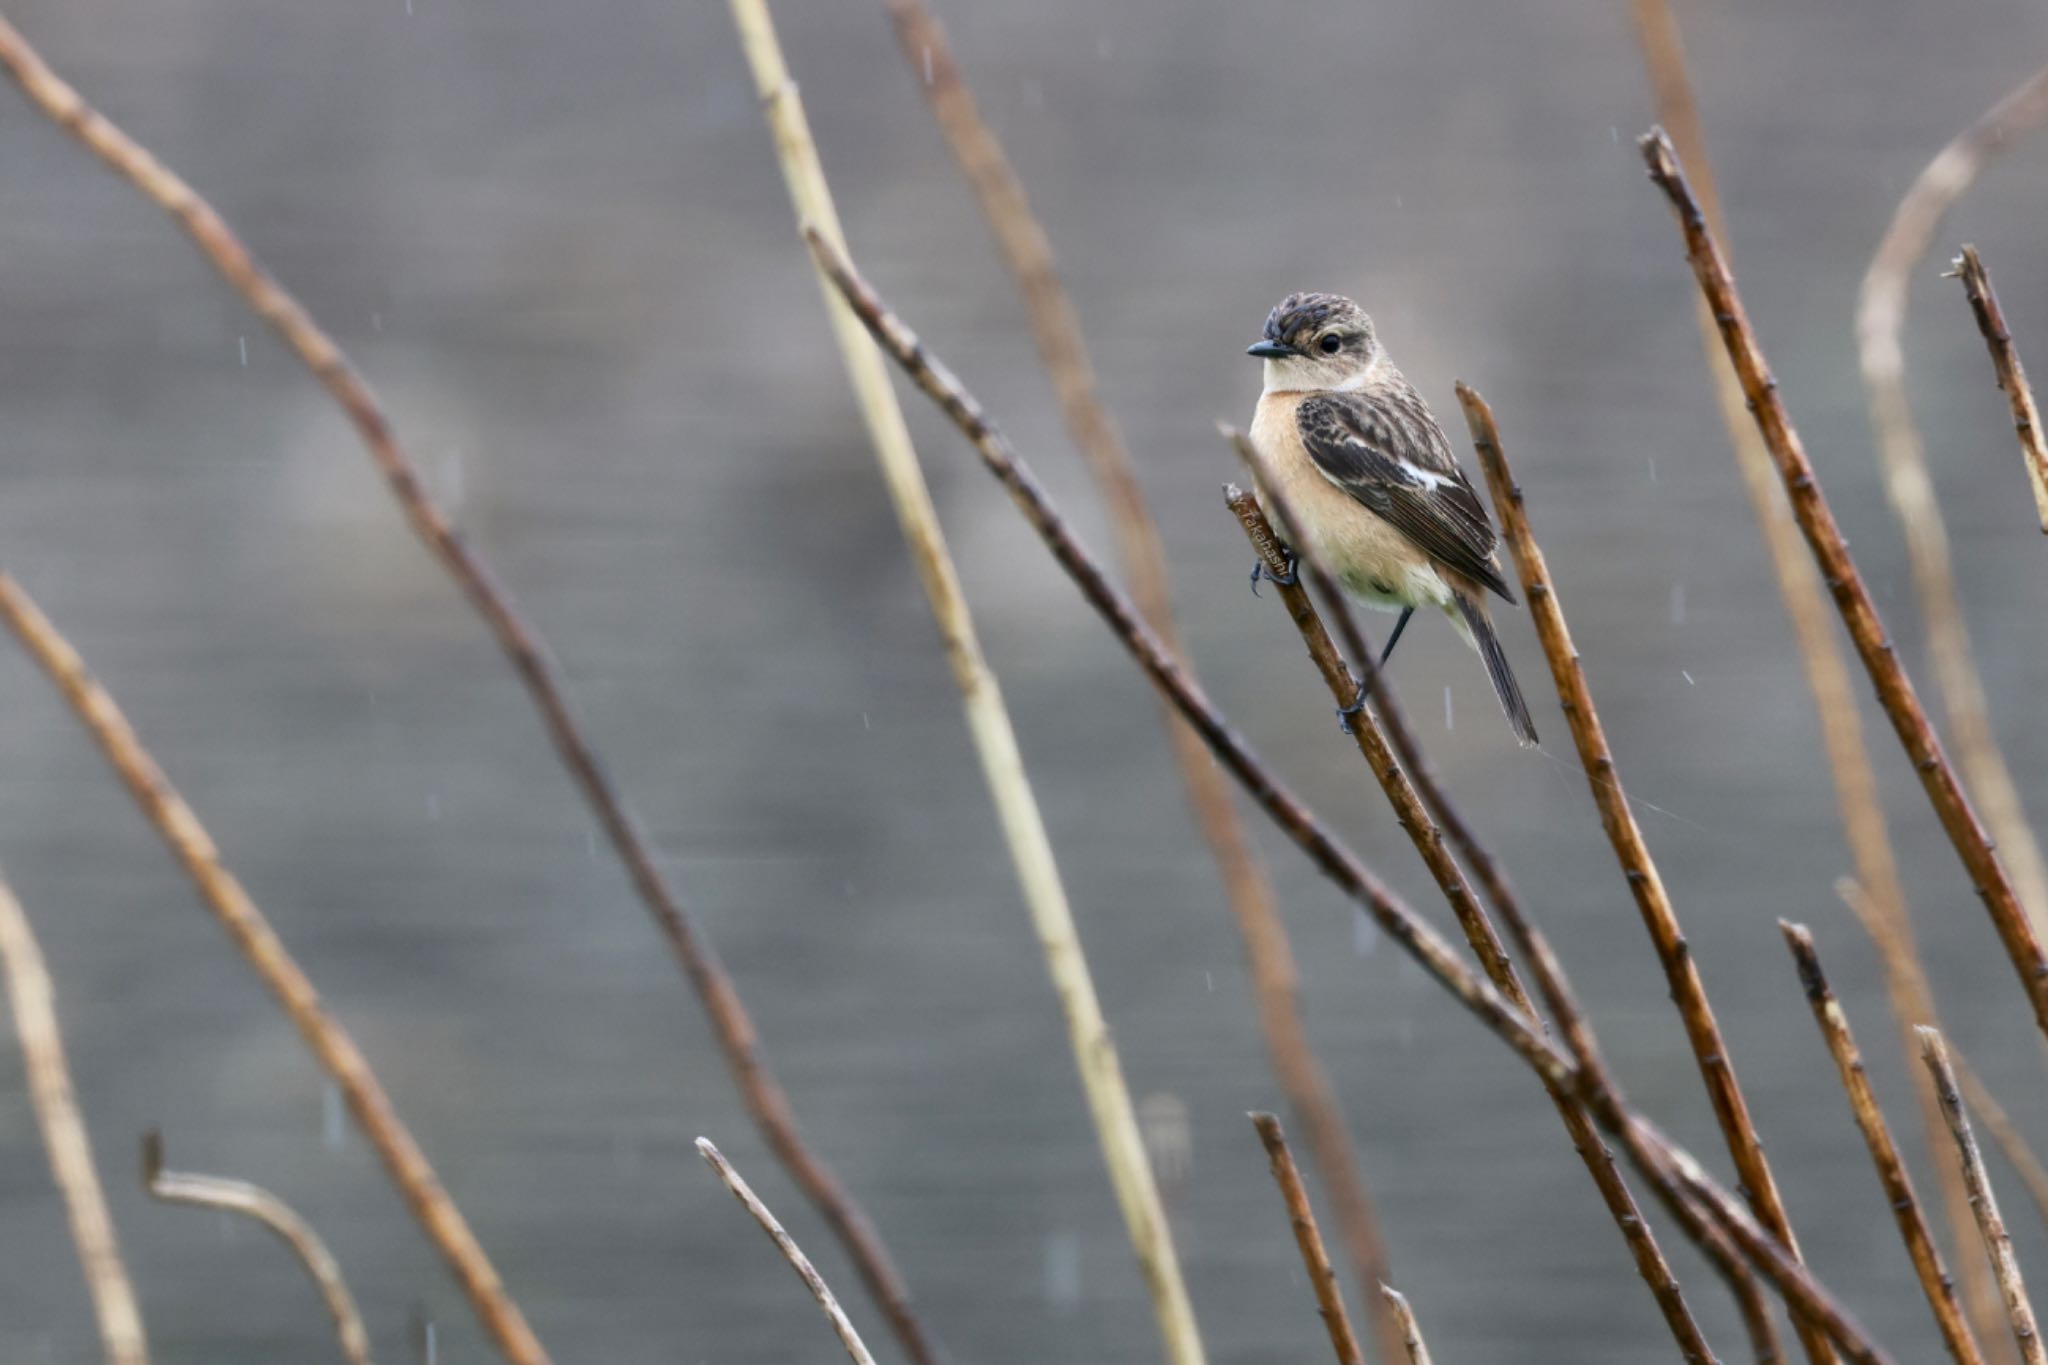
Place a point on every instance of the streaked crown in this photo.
(1299, 316)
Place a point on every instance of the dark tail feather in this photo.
(1504, 684)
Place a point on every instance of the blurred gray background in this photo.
(554, 237)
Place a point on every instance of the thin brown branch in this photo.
(842, 1326)
(1840, 720)
(65, 1140)
(1852, 599)
(1884, 1153)
(1654, 1153)
(1329, 1299)
(1902, 459)
(1681, 969)
(1992, 1115)
(1411, 1330)
(329, 1042)
(253, 1201)
(2012, 377)
(734, 1029)
(1472, 918)
(1056, 330)
(1997, 1244)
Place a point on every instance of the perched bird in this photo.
(1361, 465)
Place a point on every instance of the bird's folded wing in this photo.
(1386, 450)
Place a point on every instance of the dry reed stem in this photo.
(2012, 377)
(1314, 1259)
(1880, 328)
(1095, 1056)
(329, 1042)
(65, 1140)
(1654, 1153)
(1063, 351)
(1472, 918)
(522, 646)
(1411, 1330)
(1997, 1244)
(1859, 613)
(842, 1326)
(253, 1201)
(1891, 1170)
(1806, 607)
(1681, 969)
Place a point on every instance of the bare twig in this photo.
(1891, 1171)
(1056, 330)
(1681, 969)
(737, 1038)
(1650, 1149)
(1912, 1003)
(1806, 607)
(330, 1043)
(2005, 359)
(1859, 613)
(1880, 329)
(1997, 1244)
(65, 1140)
(1329, 1299)
(1991, 1114)
(805, 1271)
(1411, 1331)
(1472, 918)
(253, 1201)
(988, 721)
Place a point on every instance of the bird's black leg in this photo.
(1286, 580)
(1345, 713)
(1395, 638)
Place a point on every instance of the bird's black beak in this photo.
(1270, 350)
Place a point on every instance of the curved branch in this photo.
(1902, 459)
(255, 1202)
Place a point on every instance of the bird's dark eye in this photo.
(1332, 344)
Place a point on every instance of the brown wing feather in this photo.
(1383, 447)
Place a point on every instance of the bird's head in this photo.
(1314, 342)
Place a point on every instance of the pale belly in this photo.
(1376, 564)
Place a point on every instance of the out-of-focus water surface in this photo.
(554, 237)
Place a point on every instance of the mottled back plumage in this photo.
(1382, 445)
